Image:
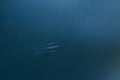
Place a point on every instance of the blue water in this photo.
(87, 31)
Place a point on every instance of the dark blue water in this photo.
(86, 30)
